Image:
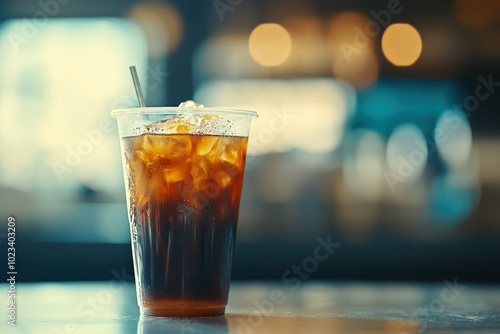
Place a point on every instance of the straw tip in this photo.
(137, 85)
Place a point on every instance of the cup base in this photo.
(183, 312)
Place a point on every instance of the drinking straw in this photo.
(137, 86)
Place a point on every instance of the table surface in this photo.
(263, 307)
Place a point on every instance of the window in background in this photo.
(57, 89)
(59, 145)
(305, 114)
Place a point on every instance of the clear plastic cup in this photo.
(183, 170)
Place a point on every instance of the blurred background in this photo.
(379, 127)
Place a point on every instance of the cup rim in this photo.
(181, 110)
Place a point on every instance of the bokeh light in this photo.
(162, 23)
(401, 44)
(407, 152)
(364, 164)
(354, 58)
(453, 138)
(346, 27)
(270, 44)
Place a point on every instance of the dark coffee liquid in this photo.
(184, 193)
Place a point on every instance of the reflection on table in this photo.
(310, 307)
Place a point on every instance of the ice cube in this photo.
(154, 150)
(176, 172)
(178, 124)
(190, 104)
(231, 153)
(205, 144)
(200, 170)
(223, 179)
